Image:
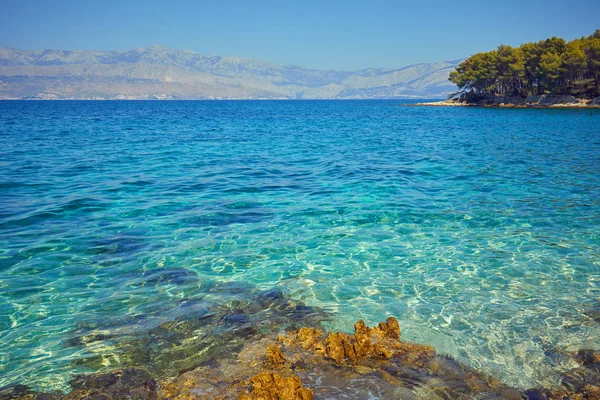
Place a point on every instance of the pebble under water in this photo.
(478, 228)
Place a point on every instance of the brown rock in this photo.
(415, 354)
(275, 357)
(335, 348)
(390, 328)
(273, 386)
(362, 345)
(380, 351)
(309, 337)
(361, 329)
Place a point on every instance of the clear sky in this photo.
(318, 34)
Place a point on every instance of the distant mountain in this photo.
(163, 73)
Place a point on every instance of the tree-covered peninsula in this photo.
(552, 66)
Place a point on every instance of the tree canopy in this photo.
(551, 66)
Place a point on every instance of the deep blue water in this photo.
(478, 228)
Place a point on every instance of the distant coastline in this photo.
(162, 73)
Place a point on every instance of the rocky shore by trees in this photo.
(563, 72)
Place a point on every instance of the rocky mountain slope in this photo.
(165, 73)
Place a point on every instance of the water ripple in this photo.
(477, 227)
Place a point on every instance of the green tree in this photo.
(550, 72)
(573, 68)
(591, 48)
(510, 69)
(548, 66)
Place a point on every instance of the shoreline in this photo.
(543, 101)
(309, 362)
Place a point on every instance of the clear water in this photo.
(478, 228)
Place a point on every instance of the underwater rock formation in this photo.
(372, 361)
(308, 363)
(131, 383)
(211, 327)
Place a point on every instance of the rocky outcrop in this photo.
(517, 101)
(378, 343)
(308, 362)
(550, 100)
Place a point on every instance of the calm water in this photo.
(478, 228)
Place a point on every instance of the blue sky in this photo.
(317, 34)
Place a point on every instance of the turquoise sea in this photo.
(478, 228)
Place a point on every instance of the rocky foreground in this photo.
(309, 363)
(542, 101)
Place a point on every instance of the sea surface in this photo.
(478, 228)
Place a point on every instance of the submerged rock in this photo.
(131, 383)
(207, 328)
(370, 362)
(373, 362)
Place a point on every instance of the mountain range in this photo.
(164, 73)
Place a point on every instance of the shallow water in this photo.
(478, 228)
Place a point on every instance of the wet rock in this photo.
(23, 392)
(275, 357)
(131, 383)
(273, 386)
(309, 338)
(271, 295)
(578, 383)
(371, 363)
(380, 342)
(15, 392)
(206, 329)
(390, 328)
(587, 357)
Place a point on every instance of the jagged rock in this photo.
(596, 101)
(380, 342)
(390, 328)
(275, 357)
(273, 386)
